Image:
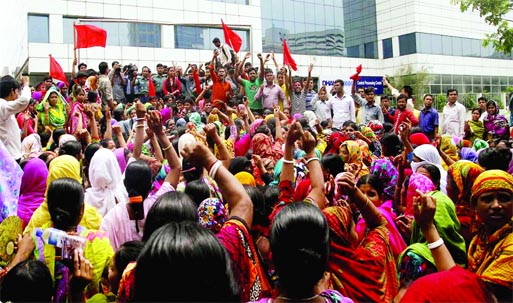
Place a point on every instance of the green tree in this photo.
(419, 81)
(493, 12)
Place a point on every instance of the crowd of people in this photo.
(237, 183)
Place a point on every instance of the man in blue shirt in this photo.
(429, 118)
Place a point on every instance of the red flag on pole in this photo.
(231, 38)
(56, 71)
(89, 36)
(287, 58)
(151, 88)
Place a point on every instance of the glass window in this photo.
(447, 79)
(436, 79)
(435, 89)
(457, 46)
(457, 79)
(446, 45)
(407, 44)
(436, 44)
(486, 80)
(299, 12)
(121, 33)
(243, 2)
(196, 37)
(503, 80)
(423, 43)
(38, 29)
(388, 51)
(353, 51)
(466, 47)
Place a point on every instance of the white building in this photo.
(336, 36)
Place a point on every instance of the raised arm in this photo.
(392, 89)
(140, 112)
(261, 71)
(234, 194)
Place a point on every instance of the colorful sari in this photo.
(33, 188)
(10, 182)
(417, 182)
(364, 272)
(77, 107)
(497, 125)
(246, 265)
(56, 113)
(477, 130)
(448, 146)
(355, 156)
(448, 227)
(464, 173)
(269, 152)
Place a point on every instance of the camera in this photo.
(401, 127)
(118, 70)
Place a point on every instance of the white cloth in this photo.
(10, 133)
(107, 187)
(321, 108)
(454, 119)
(429, 155)
(31, 146)
(343, 110)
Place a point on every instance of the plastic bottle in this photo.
(58, 238)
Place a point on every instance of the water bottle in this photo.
(59, 238)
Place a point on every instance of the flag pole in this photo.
(75, 57)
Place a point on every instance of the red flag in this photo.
(287, 58)
(56, 71)
(151, 89)
(231, 38)
(89, 36)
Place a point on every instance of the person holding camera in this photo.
(118, 82)
(131, 91)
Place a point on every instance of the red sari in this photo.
(366, 273)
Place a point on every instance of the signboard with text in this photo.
(364, 81)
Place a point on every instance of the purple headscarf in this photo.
(468, 153)
(33, 188)
(120, 156)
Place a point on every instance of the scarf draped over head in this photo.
(479, 144)
(496, 125)
(255, 125)
(195, 118)
(415, 262)
(448, 146)
(31, 146)
(33, 188)
(377, 127)
(469, 154)
(245, 178)
(64, 166)
(120, 157)
(417, 182)
(310, 116)
(387, 174)
(57, 113)
(107, 187)
(428, 154)
(419, 139)
(212, 214)
(491, 180)
(355, 156)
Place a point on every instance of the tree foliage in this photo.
(419, 81)
(493, 11)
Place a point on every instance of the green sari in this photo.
(56, 113)
(477, 130)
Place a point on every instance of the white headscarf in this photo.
(107, 187)
(310, 116)
(31, 146)
(428, 154)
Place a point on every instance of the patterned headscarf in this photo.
(464, 173)
(355, 156)
(212, 214)
(479, 144)
(420, 182)
(448, 146)
(368, 132)
(387, 173)
(491, 180)
(367, 156)
(339, 221)
(377, 127)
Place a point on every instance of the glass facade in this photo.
(467, 84)
(361, 32)
(310, 27)
(38, 28)
(425, 43)
(388, 51)
(120, 33)
(197, 37)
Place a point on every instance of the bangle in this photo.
(311, 159)
(213, 171)
(139, 125)
(168, 147)
(285, 161)
(436, 244)
(140, 119)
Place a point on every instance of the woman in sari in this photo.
(77, 116)
(474, 128)
(448, 146)
(460, 178)
(33, 188)
(496, 125)
(351, 153)
(490, 254)
(53, 110)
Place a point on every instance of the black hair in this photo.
(191, 172)
(239, 164)
(408, 90)
(482, 98)
(197, 190)
(7, 84)
(392, 145)
(492, 102)
(138, 179)
(82, 64)
(478, 109)
(216, 40)
(415, 130)
(171, 249)
(72, 148)
(118, 114)
(89, 152)
(28, 281)
(105, 142)
(351, 124)
(126, 253)
(103, 67)
(45, 137)
(65, 198)
(452, 90)
(172, 206)
(57, 133)
(434, 174)
(493, 158)
(369, 90)
(402, 96)
(271, 195)
(261, 211)
(387, 127)
(92, 96)
(300, 246)
(340, 81)
(333, 163)
(374, 181)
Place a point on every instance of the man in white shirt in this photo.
(454, 115)
(223, 52)
(12, 103)
(342, 105)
